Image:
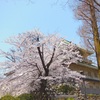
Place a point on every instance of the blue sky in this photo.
(20, 16)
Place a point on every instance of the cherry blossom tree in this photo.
(37, 63)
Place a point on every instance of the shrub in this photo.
(25, 96)
(70, 98)
(9, 97)
(66, 89)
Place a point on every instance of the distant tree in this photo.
(40, 62)
(89, 12)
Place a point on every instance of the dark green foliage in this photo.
(45, 92)
(9, 97)
(21, 97)
(66, 89)
(25, 97)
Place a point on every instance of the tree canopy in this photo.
(36, 58)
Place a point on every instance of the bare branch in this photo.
(97, 2)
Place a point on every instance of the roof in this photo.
(80, 48)
(91, 79)
(87, 65)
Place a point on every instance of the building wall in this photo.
(92, 81)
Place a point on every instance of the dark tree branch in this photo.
(86, 16)
(90, 44)
(41, 57)
(51, 58)
(10, 58)
(88, 3)
(97, 2)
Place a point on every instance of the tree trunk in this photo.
(43, 93)
(95, 34)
